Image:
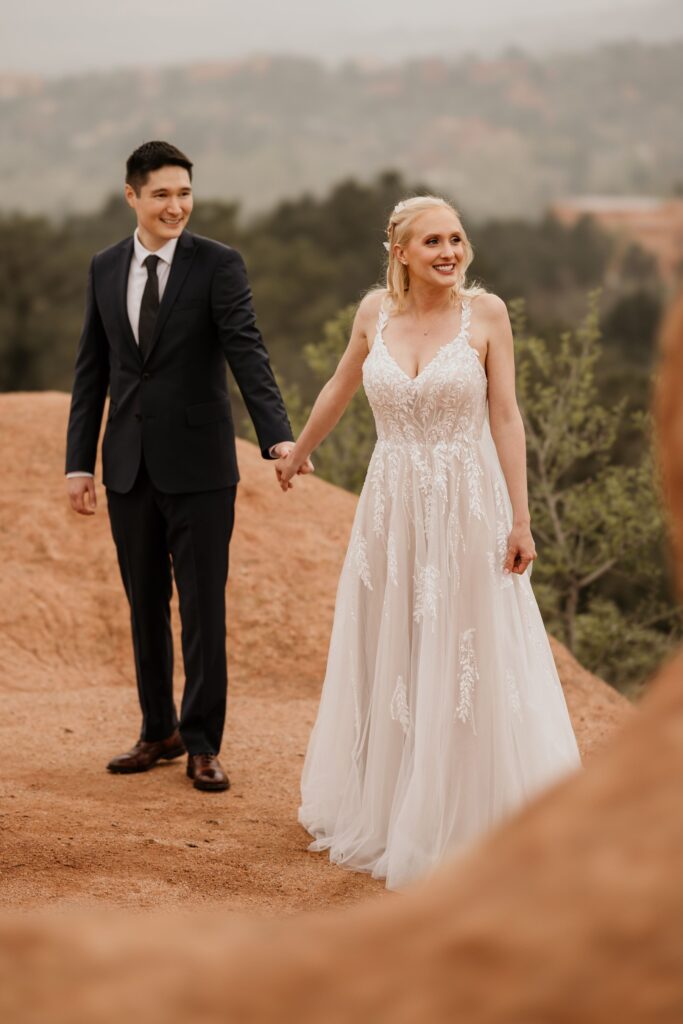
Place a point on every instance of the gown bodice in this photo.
(444, 403)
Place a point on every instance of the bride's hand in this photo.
(289, 466)
(295, 466)
(521, 550)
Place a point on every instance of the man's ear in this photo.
(129, 193)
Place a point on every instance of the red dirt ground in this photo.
(73, 835)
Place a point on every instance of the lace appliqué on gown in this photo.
(427, 593)
(469, 675)
(359, 554)
(399, 706)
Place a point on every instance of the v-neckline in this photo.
(384, 320)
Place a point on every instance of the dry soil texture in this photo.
(74, 835)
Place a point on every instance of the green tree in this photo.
(598, 524)
(37, 290)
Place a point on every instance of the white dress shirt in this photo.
(137, 279)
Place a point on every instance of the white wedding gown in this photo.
(441, 709)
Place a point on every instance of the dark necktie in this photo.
(149, 307)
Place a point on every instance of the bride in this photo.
(441, 709)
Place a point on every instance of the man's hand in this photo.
(82, 497)
(285, 469)
(283, 452)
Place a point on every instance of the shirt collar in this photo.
(165, 253)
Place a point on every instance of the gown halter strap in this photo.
(382, 319)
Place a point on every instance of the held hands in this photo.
(82, 497)
(288, 465)
(521, 550)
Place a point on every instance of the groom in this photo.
(165, 309)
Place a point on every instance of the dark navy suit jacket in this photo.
(174, 405)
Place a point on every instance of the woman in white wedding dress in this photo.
(441, 709)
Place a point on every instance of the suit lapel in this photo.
(182, 261)
(122, 269)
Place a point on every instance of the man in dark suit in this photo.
(165, 309)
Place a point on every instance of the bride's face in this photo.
(436, 248)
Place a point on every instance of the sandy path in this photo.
(72, 834)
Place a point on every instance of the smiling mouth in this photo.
(172, 223)
(444, 268)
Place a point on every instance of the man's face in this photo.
(163, 207)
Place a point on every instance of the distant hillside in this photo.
(504, 136)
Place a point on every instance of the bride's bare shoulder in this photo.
(490, 307)
(372, 302)
(369, 309)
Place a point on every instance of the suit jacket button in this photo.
(138, 416)
(146, 376)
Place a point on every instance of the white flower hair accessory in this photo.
(397, 209)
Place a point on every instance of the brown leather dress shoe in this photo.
(145, 755)
(206, 772)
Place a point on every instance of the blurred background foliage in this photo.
(585, 313)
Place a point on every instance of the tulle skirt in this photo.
(441, 710)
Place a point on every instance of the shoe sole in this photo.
(125, 770)
(208, 787)
(211, 787)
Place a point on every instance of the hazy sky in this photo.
(63, 36)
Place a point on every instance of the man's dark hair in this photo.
(150, 156)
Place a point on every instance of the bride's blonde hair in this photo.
(399, 231)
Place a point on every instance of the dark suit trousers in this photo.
(186, 536)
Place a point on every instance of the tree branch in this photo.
(597, 573)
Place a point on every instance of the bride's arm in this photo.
(507, 429)
(337, 393)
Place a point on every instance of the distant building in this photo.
(655, 224)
